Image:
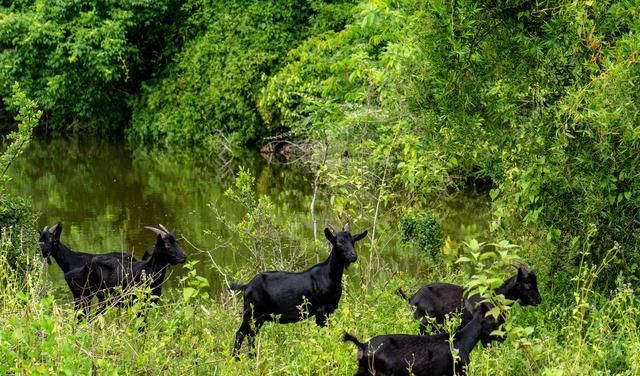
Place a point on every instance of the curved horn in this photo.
(346, 227)
(53, 229)
(45, 229)
(164, 228)
(155, 230)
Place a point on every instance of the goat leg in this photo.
(244, 330)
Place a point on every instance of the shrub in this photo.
(81, 60)
(17, 233)
(424, 231)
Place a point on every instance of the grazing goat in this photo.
(437, 300)
(112, 277)
(67, 259)
(421, 355)
(286, 296)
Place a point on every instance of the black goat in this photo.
(288, 295)
(438, 300)
(420, 355)
(68, 259)
(112, 277)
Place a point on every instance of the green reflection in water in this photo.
(105, 194)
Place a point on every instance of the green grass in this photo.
(38, 333)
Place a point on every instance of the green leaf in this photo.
(188, 293)
(494, 193)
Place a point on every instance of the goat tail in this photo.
(349, 338)
(237, 286)
(401, 294)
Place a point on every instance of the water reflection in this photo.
(105, 194)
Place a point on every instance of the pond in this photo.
(105, 193)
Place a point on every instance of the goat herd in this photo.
(279, 296)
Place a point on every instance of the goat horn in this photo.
(331, 228)
(164, 228)
(44, 229)
(53, 229)
(346, 227)
(155, 230)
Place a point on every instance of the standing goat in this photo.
(438, 300)
(68, 259)
(286, 295)
(106, 275)
(419, 355)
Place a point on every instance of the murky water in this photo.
(105, 193)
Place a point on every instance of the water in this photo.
(105, 193)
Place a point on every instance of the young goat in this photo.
(68, 259)
(112, 277)
(285, 294)
(418, 355)
(440, 299)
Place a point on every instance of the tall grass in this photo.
(585, 333)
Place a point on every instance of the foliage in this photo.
(191, 330)
(82, 59)
(193, 333)
(424, 230)
(267, 240)
(404, 100)
(212, 86)
(536, 98)
(17, 237)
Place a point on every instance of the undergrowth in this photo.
(586, 333)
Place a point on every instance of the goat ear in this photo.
(58, 230)
(523, 272)
(468, 306)
(360, 236)
(329, 235)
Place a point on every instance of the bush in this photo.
(18, 237)
(81, 60)
(17, 234)
(213, 85)
(424, 231)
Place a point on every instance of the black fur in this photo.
(419, 355)
(437, 300)
(110, 276)
(68, 259)
(290, 296)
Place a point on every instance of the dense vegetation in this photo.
(398, 103)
